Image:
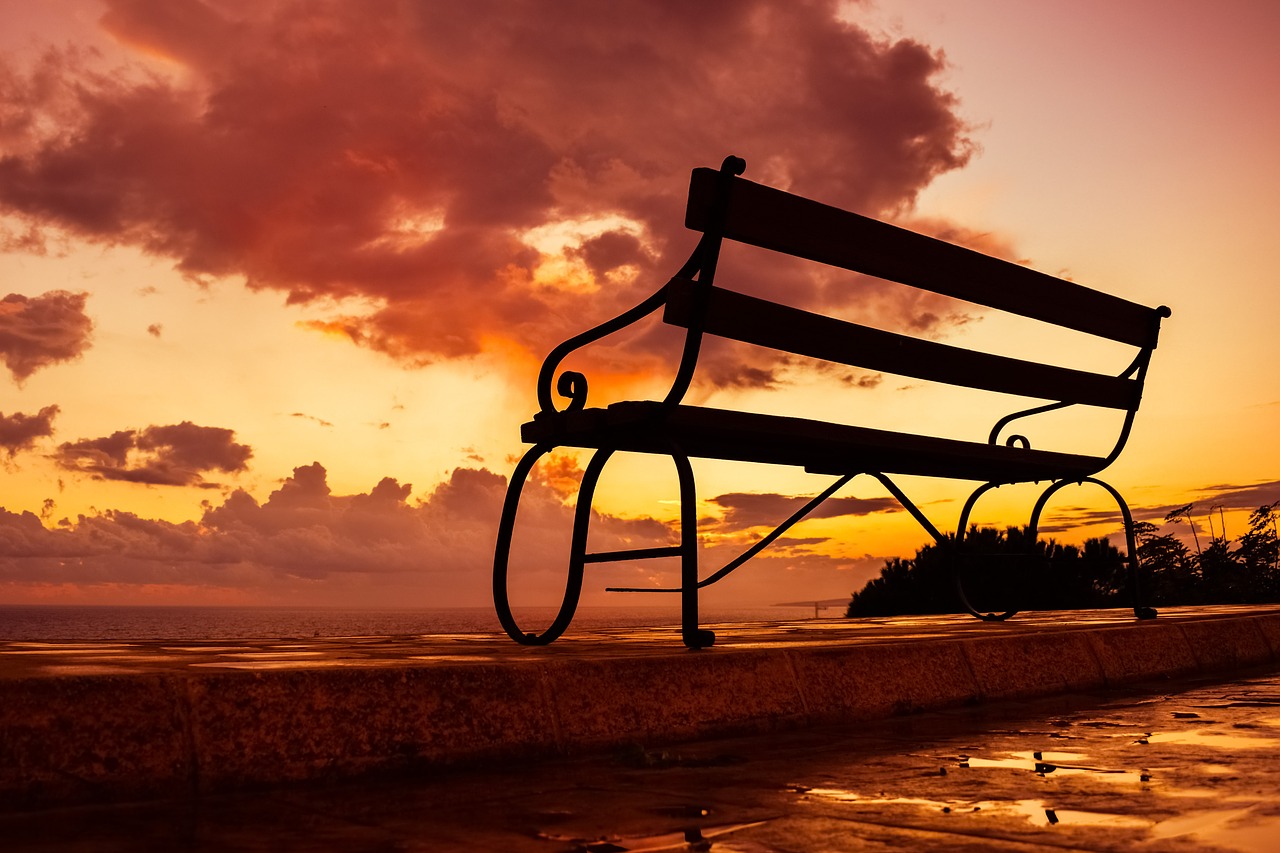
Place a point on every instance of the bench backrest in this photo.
(723, 205)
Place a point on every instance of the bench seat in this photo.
(817, 446)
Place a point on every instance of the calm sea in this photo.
(84, 622)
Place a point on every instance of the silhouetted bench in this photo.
(724, 206)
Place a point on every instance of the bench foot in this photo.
(993, 617)
(700, 638)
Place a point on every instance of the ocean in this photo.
(42, 622)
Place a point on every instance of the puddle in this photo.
(1036, 812)
(842, 796)
(1039, 814)
(1219, 740)
(1056, 763)
(1238, 829)
(1215, 769)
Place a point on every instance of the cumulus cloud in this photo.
(1242, 496)
(38, 331)
(19, 432)
(305, 543)
(304, 534)
(174, 455)
(471, 169)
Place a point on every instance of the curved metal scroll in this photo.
(1136, 369)
(572, 384)
(702, 262)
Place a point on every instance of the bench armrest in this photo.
(702, 262)
(1137, 369)
(994, 437)
(572, 384)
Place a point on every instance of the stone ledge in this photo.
(175, 730)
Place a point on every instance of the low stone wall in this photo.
(113, 737)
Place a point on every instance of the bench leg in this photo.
(1140, 610)
(693, 636)
(502, 554)
(957, 556)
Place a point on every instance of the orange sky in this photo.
(282, 273)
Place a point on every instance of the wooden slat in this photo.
(777, 220)
(781, 327)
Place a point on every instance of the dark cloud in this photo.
(321, 421)
(744, 510)
(175, 455)
(38, 331)
(402, 157)
(1228, 496)
(863, 380)
(1232, 496)
(19, 432)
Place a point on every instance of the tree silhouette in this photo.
(1006, 570)
(1002, 569)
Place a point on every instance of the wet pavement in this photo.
(62, 658)
(1190, 765)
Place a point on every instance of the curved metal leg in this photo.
(577, 552)
(693, 636)
(1140, 610)
(957, 556)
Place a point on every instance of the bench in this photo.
(724, 206)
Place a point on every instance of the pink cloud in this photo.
(323, 151)
(174, 455)
(39, 331)
(306, 544)
(305, 538)
(19, 432)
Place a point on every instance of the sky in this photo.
(276, 277)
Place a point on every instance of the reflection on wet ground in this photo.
(1188, 768)
(30, 658)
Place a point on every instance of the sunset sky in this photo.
(276, 277)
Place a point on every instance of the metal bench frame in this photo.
(723, 206)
